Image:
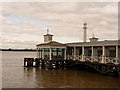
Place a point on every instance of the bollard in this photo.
(28, 62)
(31, 62)
(37, 62)
(24, 62)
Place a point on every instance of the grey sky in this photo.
(24, 24)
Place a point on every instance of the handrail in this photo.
(113, 60)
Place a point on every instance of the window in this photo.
(40, 52)
(46, 53)
(50, 38)
(57, 53)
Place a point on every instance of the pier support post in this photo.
(116, 51)
(65, 54)
(74, 53)
(42, 53)
(103, 54)
(116, 55)
(50, 54)
(37, 53)
(31, 62)
(28, 63)
(83, 53)
(92, 55)
(37, 62)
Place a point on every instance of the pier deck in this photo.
(62, 64)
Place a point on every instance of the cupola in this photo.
(93, 39)
(48, 37)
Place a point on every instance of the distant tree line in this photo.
(17, 49)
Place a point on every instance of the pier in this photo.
(95, 55)
(106, 68)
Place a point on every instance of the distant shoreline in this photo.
(31, 50)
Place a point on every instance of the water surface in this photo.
(14, 75)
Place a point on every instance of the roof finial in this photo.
(47, 30)
(93, 35)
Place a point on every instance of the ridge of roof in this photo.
(52, 43)
(96, 42)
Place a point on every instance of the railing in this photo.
(78, 57)
(70, 57)
(96, 59)
(87, 58)
(112, 60)
(99, 59)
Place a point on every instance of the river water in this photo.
(14, 75)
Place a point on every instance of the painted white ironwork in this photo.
(96, 59)
(70, 57)
(88, 58)
(113, 60)
(79, 57)
(117, 60)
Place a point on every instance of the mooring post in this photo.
(24, 62)
(32, 59)
(36, 62)
(28, 63)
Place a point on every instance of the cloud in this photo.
(28, 20)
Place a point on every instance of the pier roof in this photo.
(52, 43)
(96, 43)
(48, 35)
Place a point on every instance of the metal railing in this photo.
(99, 59)
(112, 60)
(70, 57)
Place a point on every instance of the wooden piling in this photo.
(24, 63)
(28, 61)
(37, 62)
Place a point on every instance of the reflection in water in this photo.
(17, 76)
(72, 79)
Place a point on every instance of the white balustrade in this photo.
(78, 57)
(70, 57)
(113, 60)
(97, 59)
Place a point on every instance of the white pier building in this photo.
(107, 51)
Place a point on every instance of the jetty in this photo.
(99, 56)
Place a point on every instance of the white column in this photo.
(42, 53)
(92, 55)
(50, 54)
(83, 53)
(37, 53)
(103, 54)
(74, 52)
(116, 55)
(116, 51)
(65, 54)
(92, 51)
